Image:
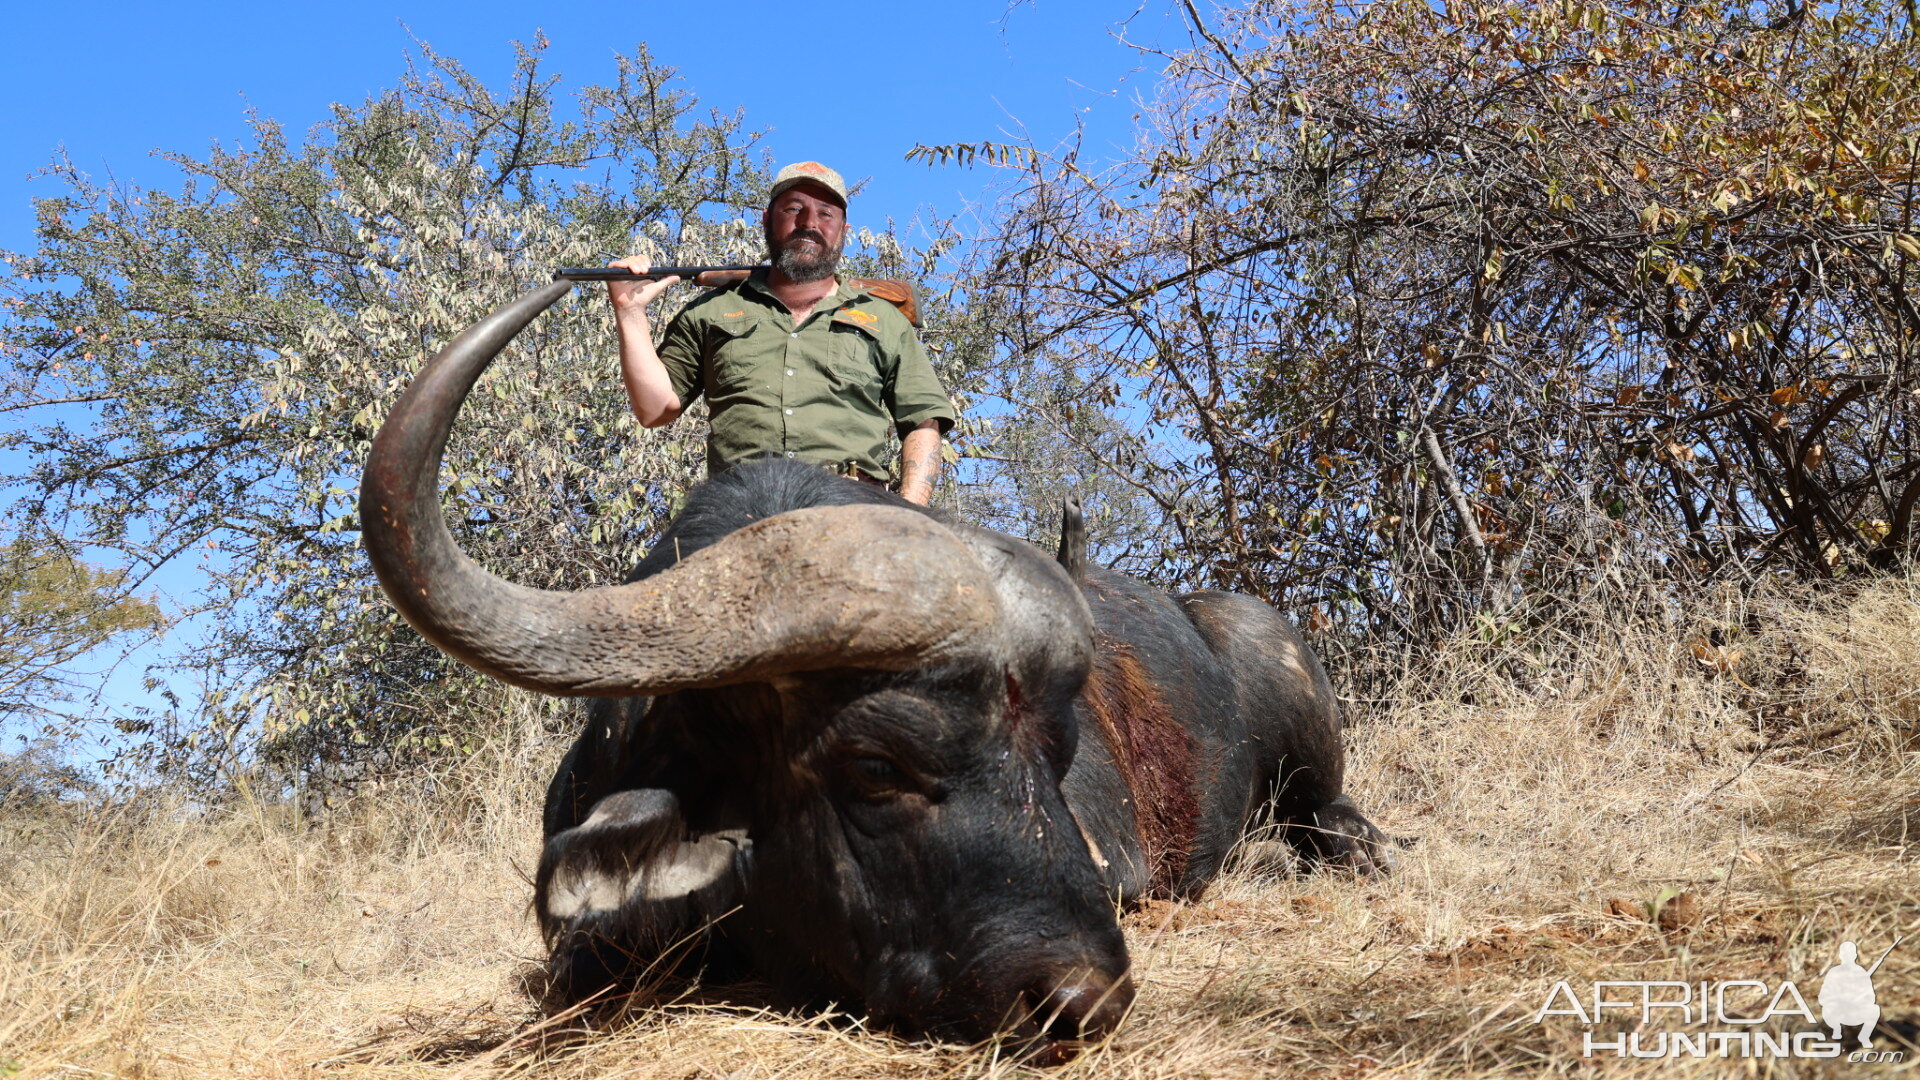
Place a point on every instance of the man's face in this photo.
(805, 232)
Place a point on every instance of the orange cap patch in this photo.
(809, 172)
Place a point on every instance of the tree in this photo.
(55, 609)
(202, 371)
(1430, 314)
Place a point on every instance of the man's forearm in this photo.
(649, 390)
(920, 462)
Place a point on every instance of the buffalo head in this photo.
(830, 742)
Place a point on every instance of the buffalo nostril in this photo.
(1085, 1006)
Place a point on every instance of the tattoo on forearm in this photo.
(919, 463)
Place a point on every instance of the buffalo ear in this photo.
(630, 891)
(1073, 537)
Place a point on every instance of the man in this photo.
(792, 362)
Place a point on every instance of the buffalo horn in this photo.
(851, 586)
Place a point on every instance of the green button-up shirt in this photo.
(823, 392)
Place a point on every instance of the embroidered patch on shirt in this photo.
(864, 318)
(732, 314)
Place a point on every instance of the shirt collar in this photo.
(841, 296)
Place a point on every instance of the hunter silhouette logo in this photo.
(1846, 994)
(1737, 1018)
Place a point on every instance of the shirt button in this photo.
(789, 453)
(789, 412)
(796, 333)
(789, 373)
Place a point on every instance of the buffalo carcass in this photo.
(866, 752)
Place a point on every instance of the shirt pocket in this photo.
(853, 358)
(731, 357)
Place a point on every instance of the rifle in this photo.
(1883, 957)
(900, 294)
(699, 275)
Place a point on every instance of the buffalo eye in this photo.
(877, 778)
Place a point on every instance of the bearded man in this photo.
(792, 362)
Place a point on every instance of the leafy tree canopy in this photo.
(1425, 314)
(54, 609)
(199, 371)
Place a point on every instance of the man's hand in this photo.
(632, 297)
(920, 462)
(649, 390)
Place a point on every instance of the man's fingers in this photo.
(642, 295)
(639, 292)
(624, 290)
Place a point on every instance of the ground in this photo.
(1724, 804)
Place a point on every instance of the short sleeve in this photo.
(915, 395)
(679, 353)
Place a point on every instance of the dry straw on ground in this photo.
(1730, 804)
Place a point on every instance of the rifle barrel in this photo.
(1884, 955)
(615, 273)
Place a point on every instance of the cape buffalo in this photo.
(867, 752)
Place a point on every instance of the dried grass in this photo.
(1762, 775)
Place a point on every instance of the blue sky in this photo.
(854, 86)
(131, 78)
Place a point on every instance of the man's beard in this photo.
(802, 265)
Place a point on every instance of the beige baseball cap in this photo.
(809, 172)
